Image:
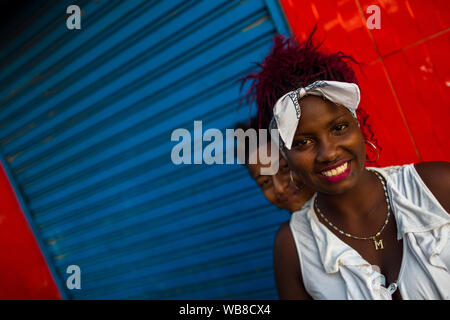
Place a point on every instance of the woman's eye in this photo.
(264, 183)
(303, 142)
(341, 127)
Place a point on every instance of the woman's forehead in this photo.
(317, 113)
(255, 168)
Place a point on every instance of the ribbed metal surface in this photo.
(85, 124)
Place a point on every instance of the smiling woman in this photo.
(345, 230)
(335, 124)
(279, 188)
(364, 227)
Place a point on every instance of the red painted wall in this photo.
(24, 273)
(405, 82)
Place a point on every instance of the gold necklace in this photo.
(378, 244)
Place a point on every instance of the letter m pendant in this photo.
(378, 244)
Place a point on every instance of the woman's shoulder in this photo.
(432, 177)
(287, 270)
(300, 213)
(436, 176)
(434, 173)
(283, 235)
(426, 170)
(391, 172)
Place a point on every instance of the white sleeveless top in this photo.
(331, 269)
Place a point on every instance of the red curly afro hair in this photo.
(291, 65)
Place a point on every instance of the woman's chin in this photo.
(299, 200)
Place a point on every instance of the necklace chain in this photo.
(383, 183)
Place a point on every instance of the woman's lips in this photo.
(292, 197)
(334, 166)
(336, 173)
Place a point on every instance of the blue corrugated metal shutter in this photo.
(85, 124)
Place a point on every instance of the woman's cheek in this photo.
(270, 196)
(357, 140)
(360, 149)
(302, 161)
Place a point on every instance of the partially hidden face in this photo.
(278, 188)
(328, 150)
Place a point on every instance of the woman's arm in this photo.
(288, 276)
(436, 176)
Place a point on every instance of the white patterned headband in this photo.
(287, 111)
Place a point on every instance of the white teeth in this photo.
(335, 171)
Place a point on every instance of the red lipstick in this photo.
(338, 177)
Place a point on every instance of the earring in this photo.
(376, 149)
(293, 182)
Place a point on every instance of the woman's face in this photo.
(278, 188)
(328, 151)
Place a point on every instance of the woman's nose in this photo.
(327, 151)
(279, 184)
